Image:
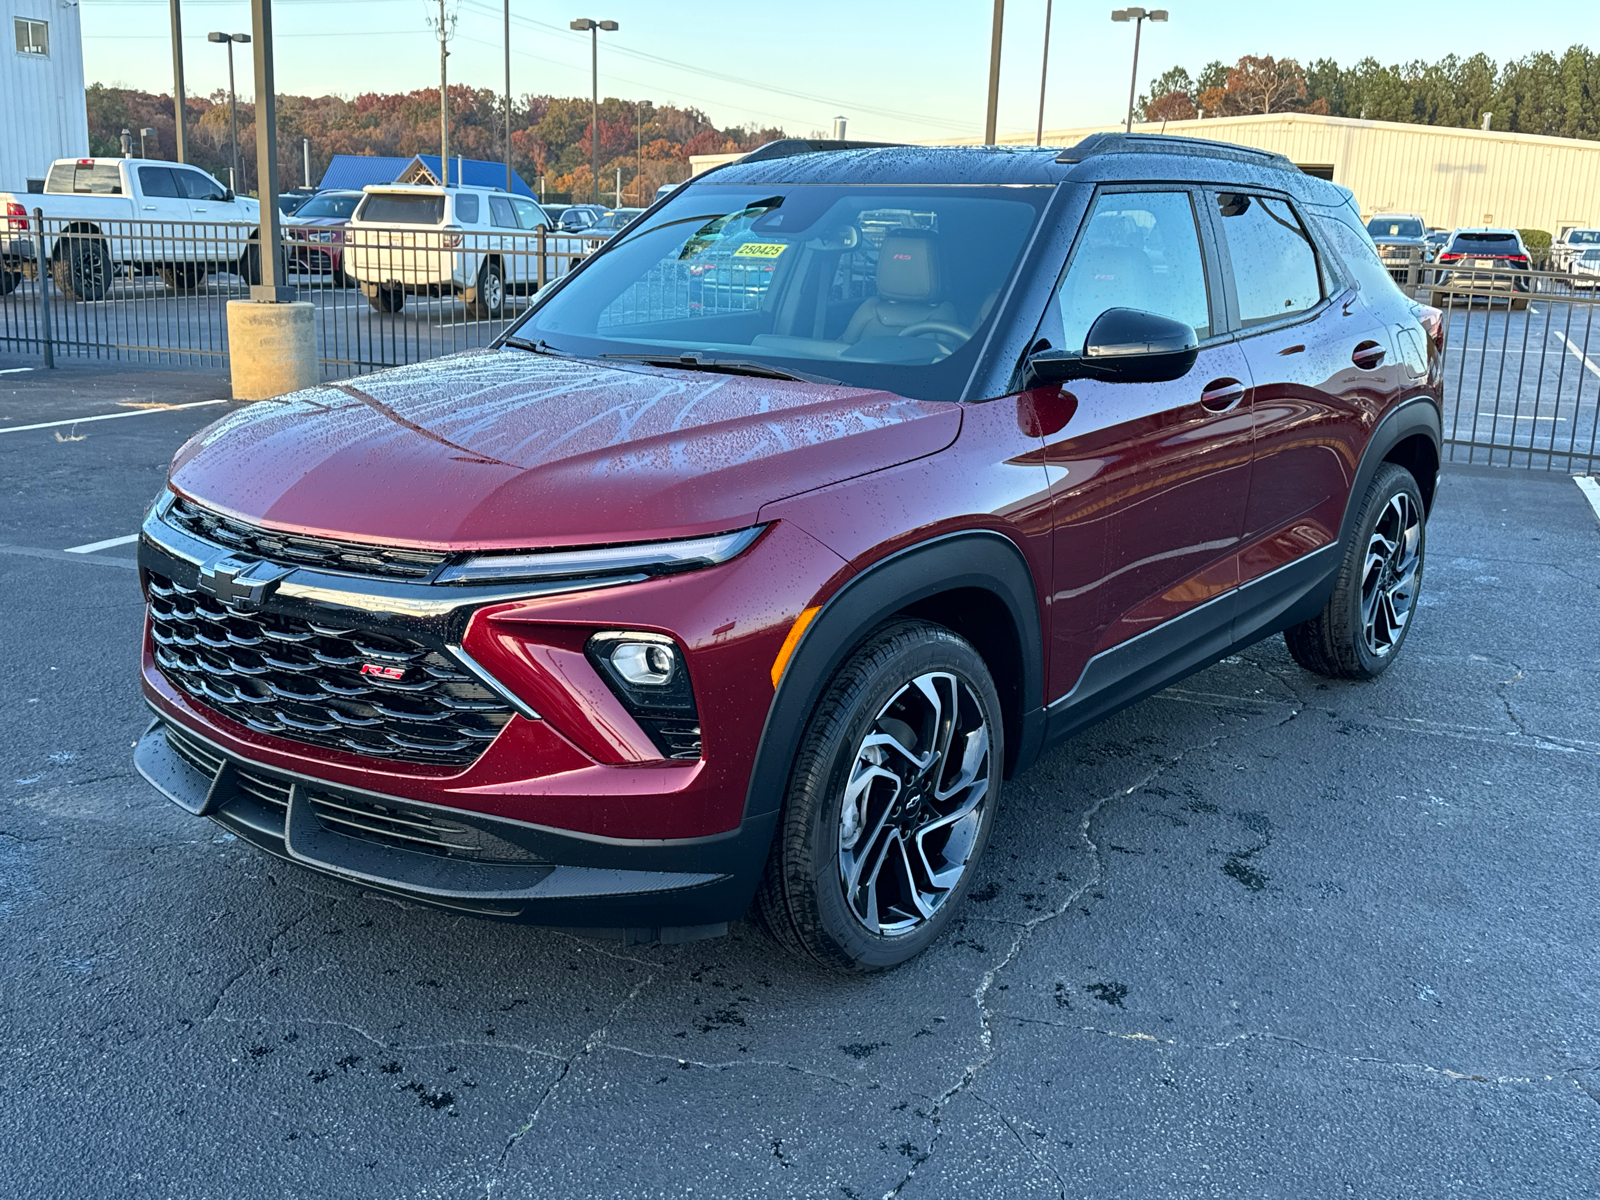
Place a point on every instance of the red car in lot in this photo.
(656, 609)
(316, 234)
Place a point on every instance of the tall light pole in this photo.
(994, 72)
(593, 28)
(508, 95)
(1138, 16)
(1044, 72)
(177, 80)
(233, 100)
(273, 287)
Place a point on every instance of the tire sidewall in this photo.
(1390, 482)
(847, 939)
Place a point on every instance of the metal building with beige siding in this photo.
(1449, 177)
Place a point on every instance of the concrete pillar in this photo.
(272, 348)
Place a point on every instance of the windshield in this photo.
(392, 208)
(1584, 237)
(1390, 227)
(329, 206)
(882, 287)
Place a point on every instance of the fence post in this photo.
(42, 270)
(541, 235)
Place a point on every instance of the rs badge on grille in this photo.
(382, 672)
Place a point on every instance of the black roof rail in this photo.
(1156, 143)
(789, 147)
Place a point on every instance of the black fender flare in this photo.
(976, 559)
(1419, 415)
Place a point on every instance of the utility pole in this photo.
(273, 287)
(1044, 72)
(177, 80)
(443, 29)
(593, 28)
(305, 162)
(994, 72)
(508, 95)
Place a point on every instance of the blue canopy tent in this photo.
(356, 171)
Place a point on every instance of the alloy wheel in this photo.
(1390, 577)
(913, 805)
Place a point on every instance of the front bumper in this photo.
(449, 858)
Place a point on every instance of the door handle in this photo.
(1368, 356)
(1221, 394)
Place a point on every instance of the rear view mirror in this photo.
(1124, 345)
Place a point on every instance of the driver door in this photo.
(1161, 469)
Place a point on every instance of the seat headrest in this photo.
(908, 266)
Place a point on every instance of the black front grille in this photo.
(303, 680)
(292, 549)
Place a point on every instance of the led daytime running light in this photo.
(653, 558)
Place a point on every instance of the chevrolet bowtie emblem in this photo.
(240, 580)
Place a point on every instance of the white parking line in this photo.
(143, 412)
(15, 370)
(1590, 487)
(105, 545)
(1584, 358)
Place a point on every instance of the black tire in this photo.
(184, 278)
(1439, 299)
(249, 265)
(1355, 636)
(487, 298)
(385, 300)
(82, 269)
(10, 281)
(802, 900)
(343, 279)
(1518, 303)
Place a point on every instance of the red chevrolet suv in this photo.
(823, 499)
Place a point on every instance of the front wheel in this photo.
(1361, 629)
(386, 300)
(488, 295)
(82, 269)
(890, 804)
(9, 282)
(184, 278)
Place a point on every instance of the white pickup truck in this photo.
(129, 216)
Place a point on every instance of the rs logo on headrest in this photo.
(902, 258)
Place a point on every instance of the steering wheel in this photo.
(961, 335)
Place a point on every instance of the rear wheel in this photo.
(890, 804)
(82, 269)
(249, 265)
(1361, 629)
(488, 296)
(1518, 303)
(9, 282)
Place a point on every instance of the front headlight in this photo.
(647, 558)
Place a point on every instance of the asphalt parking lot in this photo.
(1261, 935)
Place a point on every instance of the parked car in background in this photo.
(1484, 264)
(290, 202)
(554, 211)
(316, 239)
(580, 218)
(648, 612)
(614, 221)
(1584, 268)
(426, 240)
(1434, 242)
(1570, 245)
(1401, 239)
(666, 189)
(105, 216)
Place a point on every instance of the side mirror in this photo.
(1125, 345)
(228, 196)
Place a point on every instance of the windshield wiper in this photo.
(725, 366)
(539, 347)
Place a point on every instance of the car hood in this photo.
(506, 449)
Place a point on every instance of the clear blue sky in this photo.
(896, 68)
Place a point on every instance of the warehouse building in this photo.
(41, 91)
(1449, 177)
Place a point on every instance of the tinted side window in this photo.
(1137, 251)
(1359, 256)
(158, 181)
(1274, 266)
(196, 186)
(466, 208)
(500, 212)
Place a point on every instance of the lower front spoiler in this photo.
(463, 861)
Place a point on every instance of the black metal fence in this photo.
(1522, 358)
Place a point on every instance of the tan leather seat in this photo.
(909, 288)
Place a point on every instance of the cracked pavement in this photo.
(1261, 935)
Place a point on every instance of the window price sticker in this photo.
(761, 250)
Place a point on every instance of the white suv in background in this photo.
(421, 240)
